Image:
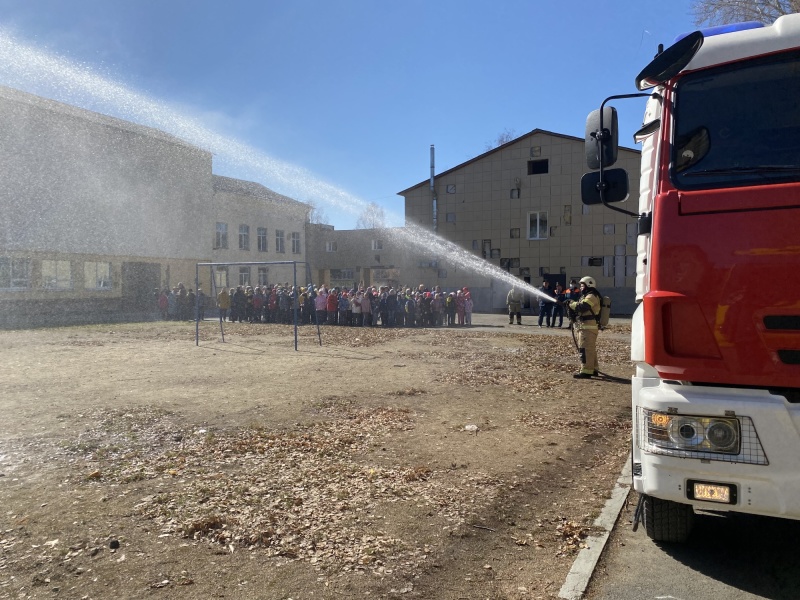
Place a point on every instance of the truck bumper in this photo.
(765, 481)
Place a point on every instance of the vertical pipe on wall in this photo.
(433, 196)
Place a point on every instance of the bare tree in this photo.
(720, 12)
(316, 214)
(372, 217)
(502, 138)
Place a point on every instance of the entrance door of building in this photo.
(139, 281)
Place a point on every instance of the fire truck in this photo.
(716, 332)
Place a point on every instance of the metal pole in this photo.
(309, 282)
(295, 301)
(214, 287)
(196, 305)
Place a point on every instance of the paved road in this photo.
(735, 557)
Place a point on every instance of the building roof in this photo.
(426, 182)
(255, 190)
(20, 97)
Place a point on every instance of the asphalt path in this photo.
(728, 556)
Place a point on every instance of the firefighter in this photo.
(514, 303)
(585, 312)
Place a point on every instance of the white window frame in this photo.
(244, 237)
(221, 277)
(541, 225)
(280, 246)
(94, 279)
(15, 273)
(331, 247)
(377, 244)
(296, 247)
(342, 274)
(221, 236)
(263, 275)
(261, 234)
(58, 275)
(244, 275)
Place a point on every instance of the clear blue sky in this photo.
(339, 101)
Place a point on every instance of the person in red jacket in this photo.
(333, 307)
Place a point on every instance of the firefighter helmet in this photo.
(589, 281)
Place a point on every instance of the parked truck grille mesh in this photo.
(750, 450)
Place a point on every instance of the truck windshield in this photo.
(738, 125)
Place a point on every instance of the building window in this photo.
(15, 273)
(263, 272)
(630, 266)
(514, 263)
(279, 247)
(537, 225)
(487, 248)
(514, 232)
(244, 275)
(475, 244)
(221, 238)
(330, 247)
(442, 273)
(608, 229)
(495, 252)
(221, 277)
(377, 244)
(244, 237)
(451, 217)
(296, 249)
(56, 275)
(97, 276)
(514, 193)
(538, 167)
(631, 233)
(262, 239)
(451, 188)
(342, 274)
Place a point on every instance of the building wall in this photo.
(238, 203)
(94, 208)
(489, 200)
(350, 258)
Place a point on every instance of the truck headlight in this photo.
(729, 439)
(693, 433)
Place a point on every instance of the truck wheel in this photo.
(667, 521)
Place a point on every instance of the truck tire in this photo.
(667, 521)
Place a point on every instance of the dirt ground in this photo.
(409, 463)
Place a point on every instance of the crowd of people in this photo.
(369, 306)
(386, 306)
(178, 303)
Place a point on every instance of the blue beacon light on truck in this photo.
(721, 29)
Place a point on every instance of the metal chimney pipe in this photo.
(433, 195)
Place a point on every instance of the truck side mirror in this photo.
(603, 142)
(614, 185)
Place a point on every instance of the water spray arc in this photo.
(26, 67)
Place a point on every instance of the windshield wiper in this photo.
(758, 170)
